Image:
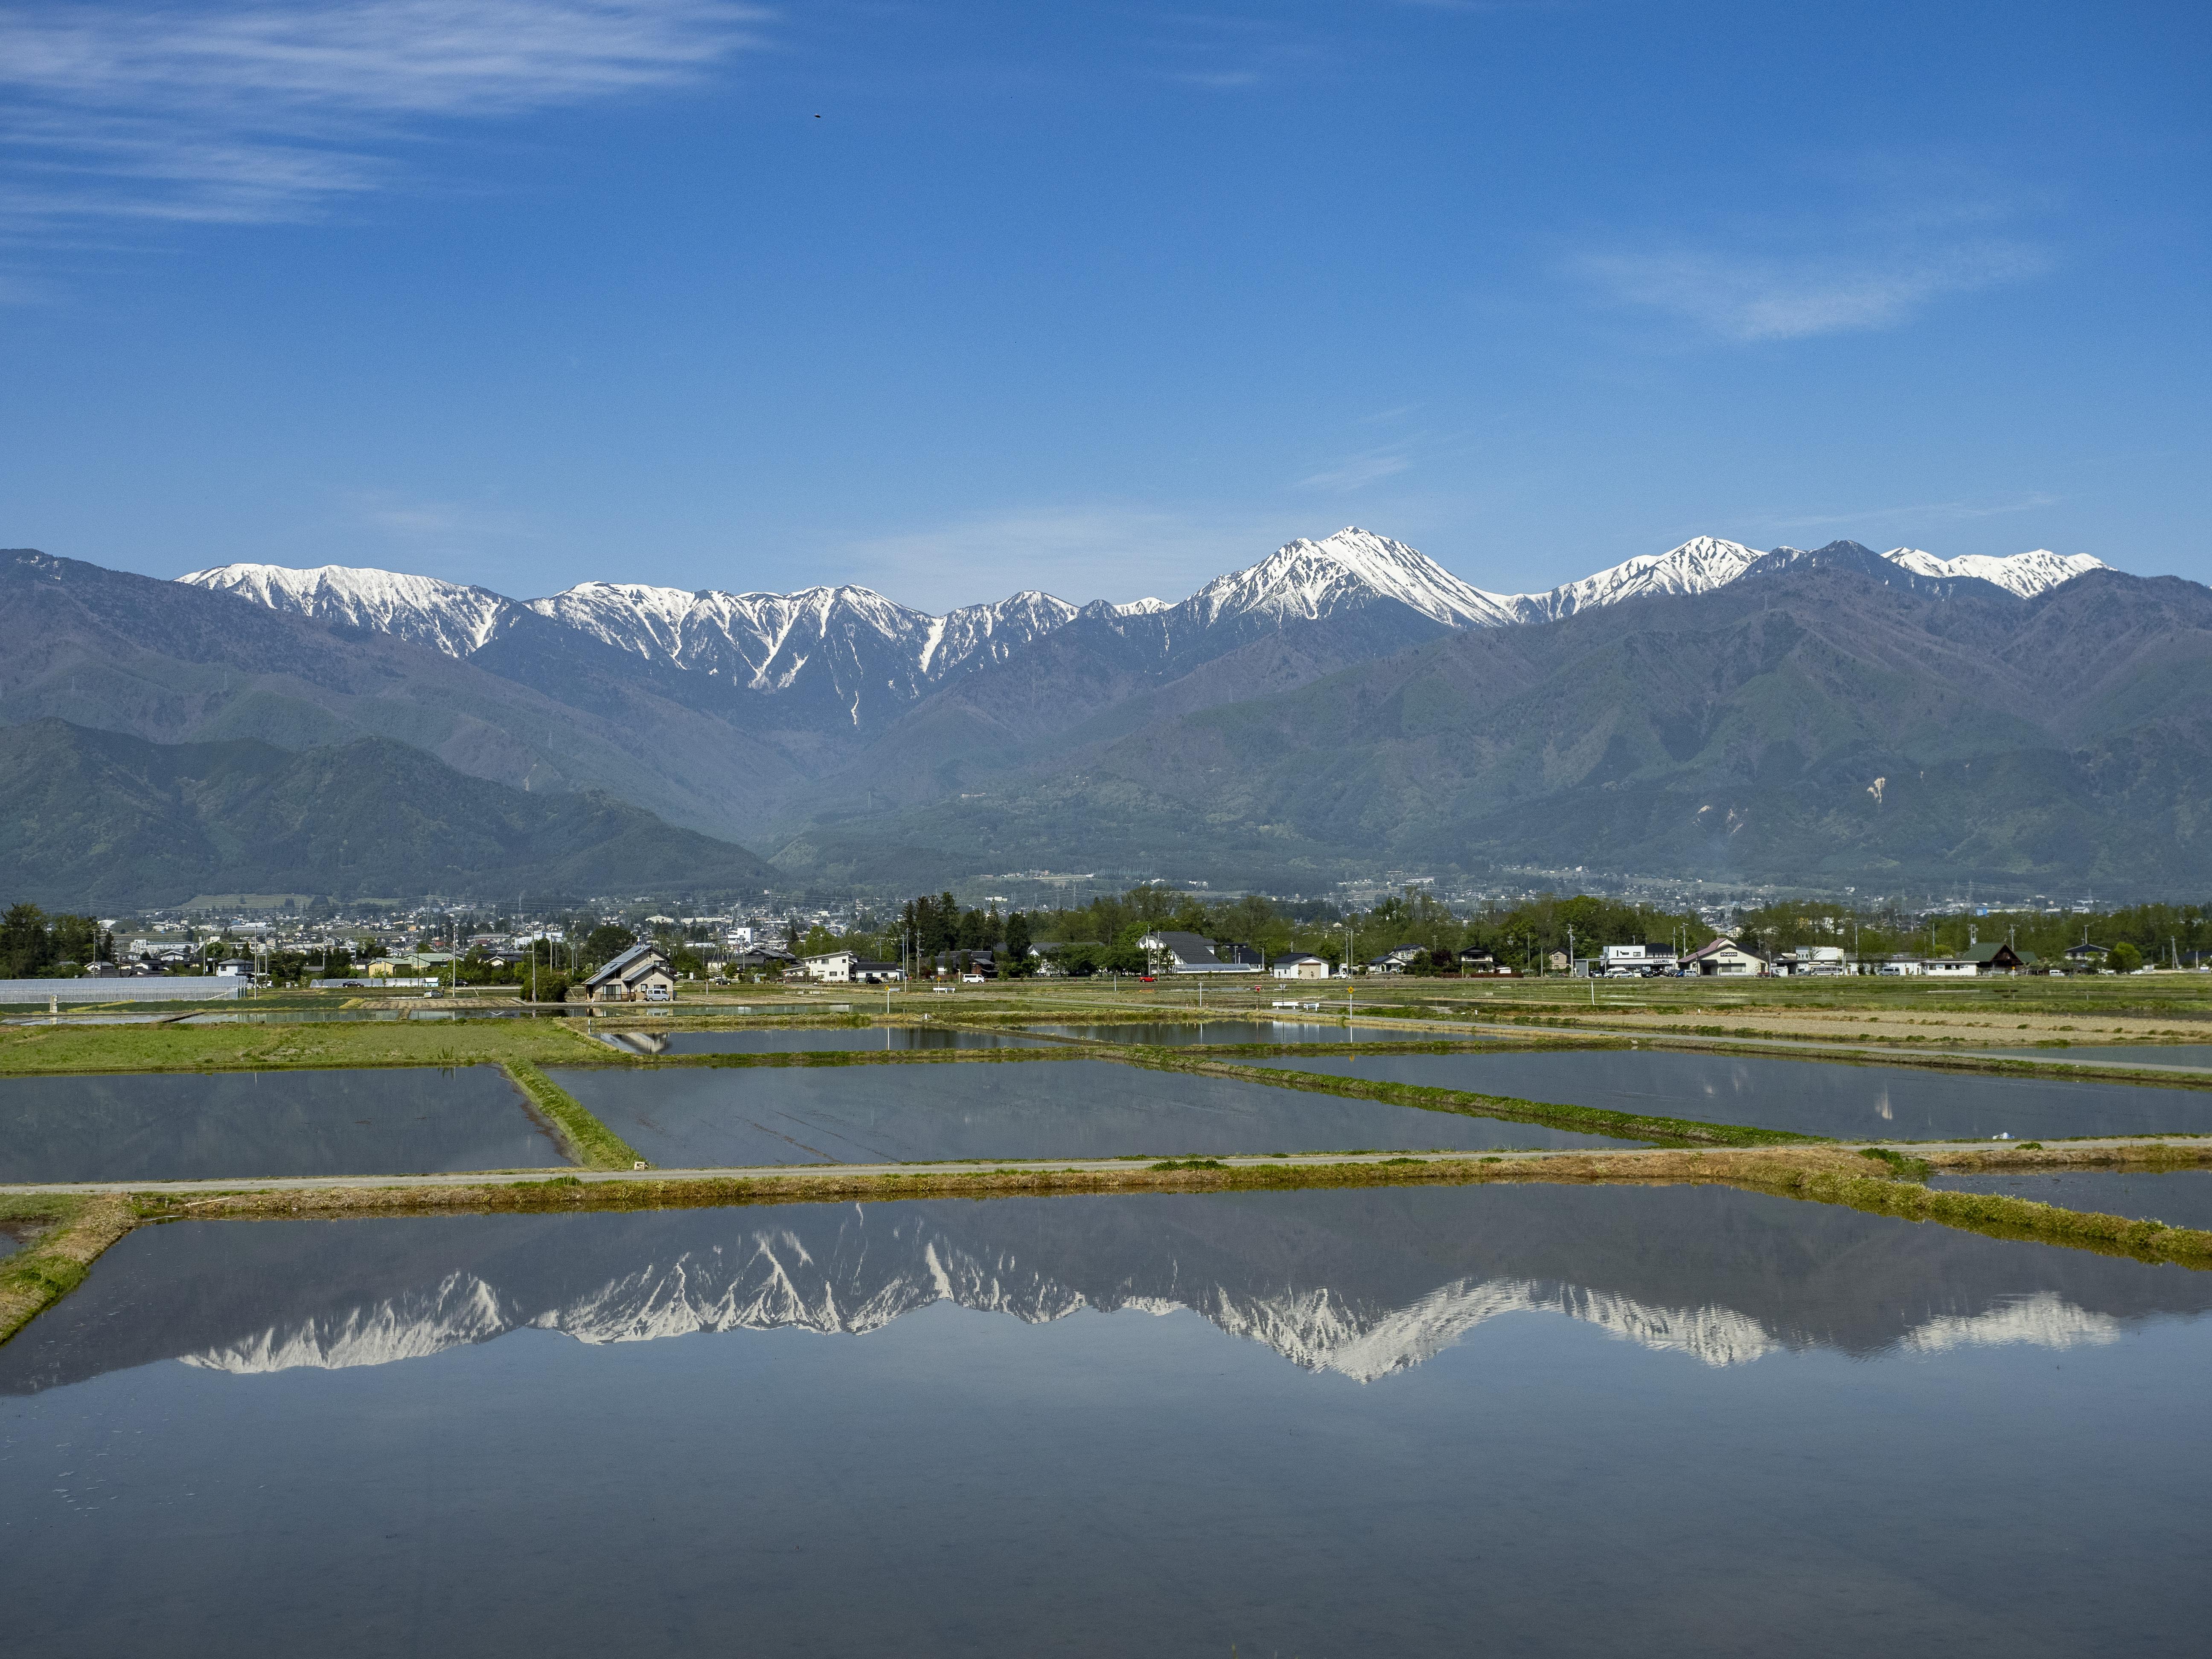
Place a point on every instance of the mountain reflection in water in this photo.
(1362, 1284)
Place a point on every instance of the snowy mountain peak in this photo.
(1698, 566)
(1307, 579)
(455, 618)
(867, 657)
(2024, 573)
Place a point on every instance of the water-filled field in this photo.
(2179, 1198)
(696, 1118)
(885, 1039)
(1661, 1421)
(1884, 1102)
(2198, 1055)
(190, 1126)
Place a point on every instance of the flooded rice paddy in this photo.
(885, 1039)
(698, 1118)
(2195, 1054)
(1180, 1034)
(188, 1126)
(1665, 1421)
(2179, 1198)
(1875, 1102)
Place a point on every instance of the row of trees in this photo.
(1101, 936)
(34, 945)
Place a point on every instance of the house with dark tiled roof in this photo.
(638, 975)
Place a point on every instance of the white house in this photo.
(1300, 966)
(850, 968)
(1725, 957)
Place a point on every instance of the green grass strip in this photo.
(1999, 1216)
(78, 1228)
(587, 1141)
(1586, 1120)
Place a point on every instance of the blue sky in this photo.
(955, 299)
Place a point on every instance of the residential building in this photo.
(1396, 960)
(1300, 966)
(1976, 960)
(1189, 953)
(638, 975)
(1724, 957)
(849, 968)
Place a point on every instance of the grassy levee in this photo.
(587, 1140)
(1586, 1120)
(1828, 1174)
(45, 1050)
(78, 1227)
(81, 1226)
(2000, 1216)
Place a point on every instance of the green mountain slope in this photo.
(1737, 734)
(98, 820)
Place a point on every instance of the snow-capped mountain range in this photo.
(766, 642)
(779, 1286)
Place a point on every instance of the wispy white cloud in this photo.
(1355, 471)
(257, 112)
(1080, 553)
(1747, 297)
(439, 524)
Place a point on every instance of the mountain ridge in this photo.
(97, 819)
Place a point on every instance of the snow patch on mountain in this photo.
(866, 655)
(1698, 566)
(1305, 580)
(2024, 573)
(451, 616)
(774, 1284)
(2042, 1319)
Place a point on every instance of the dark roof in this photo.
(632, 958)
(1186, 947)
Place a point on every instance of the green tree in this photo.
(26, 947)
(1018, 943)
(2125, 958)
(605, 942)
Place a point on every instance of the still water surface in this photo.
(1875, 1103)
(183, 1127)
(699, 1119)
(1173, 1034)
(2179, 1198)
(2127, 1053)
(884, 1038)
(1670, 1421)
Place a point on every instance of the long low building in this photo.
(148, 988)
(1192, 953)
